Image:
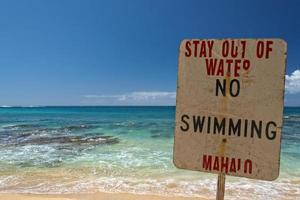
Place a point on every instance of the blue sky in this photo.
(124, 52)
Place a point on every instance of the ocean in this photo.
(62, 150)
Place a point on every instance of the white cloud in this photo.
(133, 98)
(292, 82)
(152, 95)
(93, 96)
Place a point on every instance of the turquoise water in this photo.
(120, 149)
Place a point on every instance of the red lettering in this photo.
(246, 64)
(198, 48)
(195, 42)
(188, 52)
(237, 68)
(217, 67)
(234, 50)
(239, 164)
(225, 48)
(248, 166)
(260, 49)
(216, 164)
(243, 42)
(202, 50)
(229, 62)
(263, 49)
(232, 165)
(206, 162)
(269, 48)
(211, 66)
(210, 45)
(220, 71)
(224, 164)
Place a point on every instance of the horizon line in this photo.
(40, 106)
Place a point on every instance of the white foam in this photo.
(236, 189)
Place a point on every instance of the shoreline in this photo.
(93, 196)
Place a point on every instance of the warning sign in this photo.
(229, 106)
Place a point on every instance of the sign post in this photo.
(229, 107)
(221, 187)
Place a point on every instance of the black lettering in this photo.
(257, 129)
(234, 128)
(219, 126)
(219, 86)
(198, 123)
(237, 92)
(208, 125)
(185, 122)
(273, 136)
(246, 128)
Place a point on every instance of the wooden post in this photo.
(221, 187)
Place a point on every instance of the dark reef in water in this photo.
(41, 127)
(22, 126)
(76, 140)
(77, 127)
(33, 134)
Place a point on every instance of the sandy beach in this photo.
(102, 196)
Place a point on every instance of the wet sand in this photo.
(96, 196)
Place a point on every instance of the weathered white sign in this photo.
(229, 106)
